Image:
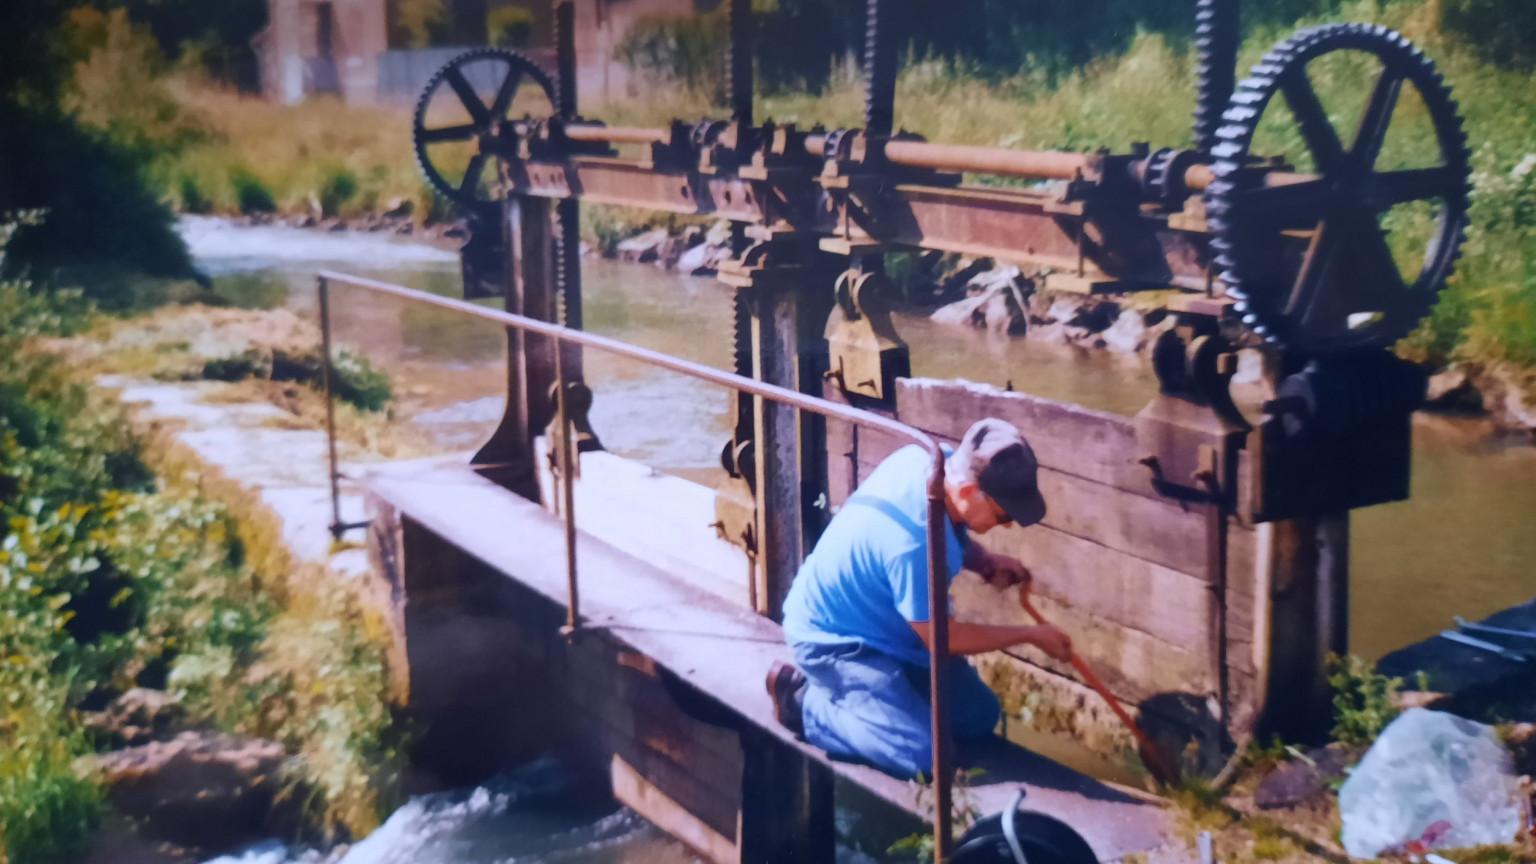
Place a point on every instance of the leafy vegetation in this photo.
(1362, 700)
(964, 813)
(113, 575)
(353, 379)
(105, 220)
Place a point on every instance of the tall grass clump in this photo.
(251, 194)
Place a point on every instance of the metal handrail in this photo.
(938, 587)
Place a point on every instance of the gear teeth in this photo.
(1259, 298)
(1216, 43)
(741, 358)
(515, 61)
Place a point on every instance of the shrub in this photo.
(103, 217)
(1503, 31)
(190, 197)
(122, 90)
(337, 186)
(357, 382)
(1362, 699)
(251, 194)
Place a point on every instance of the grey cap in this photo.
(996, 457)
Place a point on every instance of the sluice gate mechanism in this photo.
(1206, 541)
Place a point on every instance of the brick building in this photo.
(353, 48)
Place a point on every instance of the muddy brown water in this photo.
(1464, 544)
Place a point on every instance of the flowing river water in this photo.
(1464, 544)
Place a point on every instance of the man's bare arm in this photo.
(1000, 571)
(966, 638)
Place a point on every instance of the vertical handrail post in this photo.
(938, 657)
(324, 290)
(567, 488)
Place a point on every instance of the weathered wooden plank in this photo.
(639, 794)
(1110, 586)
(714, 798)
(641, 709)
(1158, 530)
(786, 804)
(1094, 445)
(1133, 664)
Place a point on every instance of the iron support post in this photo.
(568, 210)
(565, 57)
(741, 61)
(1309, 619)
(529, 291)
(567, 458)
(775, 360)
(880, 47)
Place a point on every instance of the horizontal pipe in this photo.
(591, 132)
(1038, 164)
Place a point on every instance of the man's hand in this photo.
(1007, 571)
(1052, 641)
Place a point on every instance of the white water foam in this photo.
(521, 817)
(223, 246)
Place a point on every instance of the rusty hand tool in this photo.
(1160, 766)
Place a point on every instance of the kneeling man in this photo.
(857, 614)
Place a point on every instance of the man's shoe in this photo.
(785, 684)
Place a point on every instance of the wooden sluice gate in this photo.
(1197, 552)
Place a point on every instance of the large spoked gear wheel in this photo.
(1348, 291)
(505, 71)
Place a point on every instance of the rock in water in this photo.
(204, 789)
(1432, 780)
(642, 248)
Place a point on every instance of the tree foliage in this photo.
(103, 217)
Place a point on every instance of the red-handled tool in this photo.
(1157, 763)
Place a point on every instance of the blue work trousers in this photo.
(863, 705)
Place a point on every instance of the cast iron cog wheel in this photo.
(506, 71)
(1347, 291)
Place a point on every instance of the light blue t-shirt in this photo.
(867, 578)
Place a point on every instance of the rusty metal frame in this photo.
(938, 583)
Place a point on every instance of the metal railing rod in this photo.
(938, 582)
(336, 525)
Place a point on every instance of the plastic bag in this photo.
(1432, 780)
